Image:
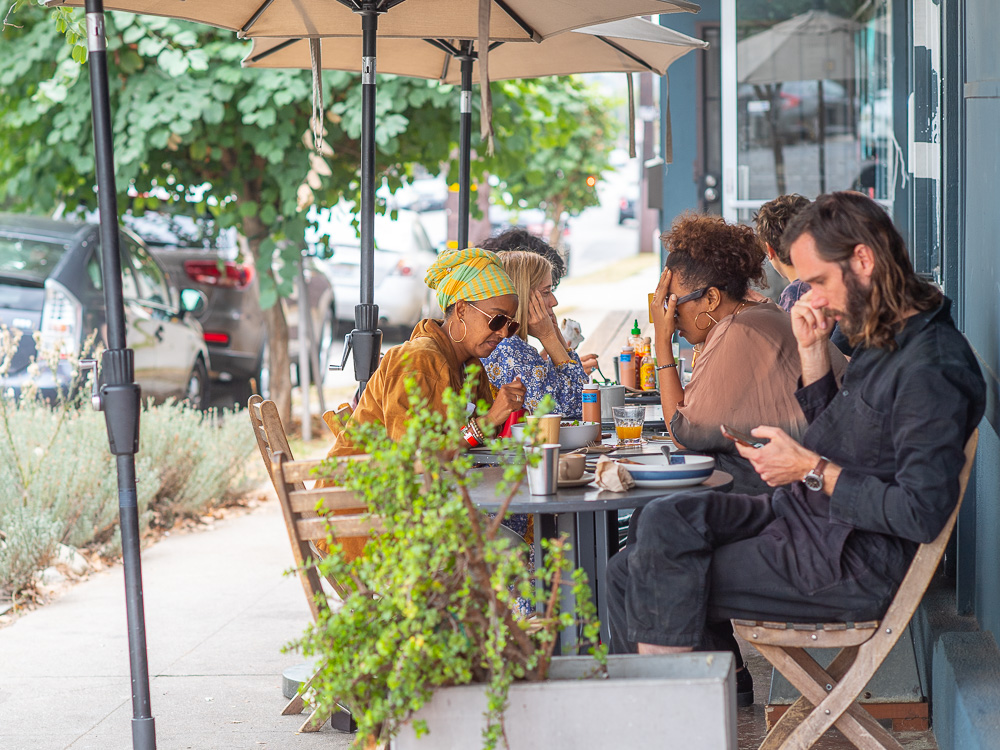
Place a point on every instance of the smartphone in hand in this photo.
(743, 438)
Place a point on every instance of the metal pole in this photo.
(304, 346)
(119, 395)
(366, 338)
(465, 149)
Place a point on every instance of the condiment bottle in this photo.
(635, 340)
(591, 398)
(647, 375)
(626, 367)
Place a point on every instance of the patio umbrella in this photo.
(515, 19)
(630, 45)
(487, 20)
(812, 46)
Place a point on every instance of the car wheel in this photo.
(196, 393)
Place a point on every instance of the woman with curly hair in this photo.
(748, 364)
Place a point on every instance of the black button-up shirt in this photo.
(897, 425)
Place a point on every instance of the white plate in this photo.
(666, 483)
(669, 471)
(587, 478)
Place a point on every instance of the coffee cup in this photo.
(571, 466)
(547, 428)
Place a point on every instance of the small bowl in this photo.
(571, 437)
(669, 471)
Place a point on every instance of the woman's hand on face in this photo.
(809, 325)
(509, 398)
(664, 308)
(541, 319)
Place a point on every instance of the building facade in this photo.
(901, 100)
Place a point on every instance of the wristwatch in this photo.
(814, 479)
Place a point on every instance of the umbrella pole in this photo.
(120, 396)
(821, 136)
(465, 152)
(366, 338)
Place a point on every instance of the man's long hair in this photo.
(839, 222)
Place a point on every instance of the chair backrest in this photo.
(925, 561)
(269, 431)
(348, 517)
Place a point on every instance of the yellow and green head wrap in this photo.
(468, 274)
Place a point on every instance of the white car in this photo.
(403, 253)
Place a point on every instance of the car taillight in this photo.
(228, 274)
(216, 337)
(402, 269)
(62, 319)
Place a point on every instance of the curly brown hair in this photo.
(706, 251)
(773, 217)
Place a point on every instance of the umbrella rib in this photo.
(276, 48)
(516, 18)
(253, 19)
(628, 54)
(442, 45)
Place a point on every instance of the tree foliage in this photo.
(191, 124)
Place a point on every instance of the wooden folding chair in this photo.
(829, 696)
(303, 524)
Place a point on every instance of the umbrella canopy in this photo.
(510, 20)
(811, 46)
(632, 45)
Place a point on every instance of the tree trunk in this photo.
(278, 364)
(555, 235)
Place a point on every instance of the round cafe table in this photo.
(588, 515)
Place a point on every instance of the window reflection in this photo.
(814, 110)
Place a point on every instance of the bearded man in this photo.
(876, 474)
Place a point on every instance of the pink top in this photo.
(746, 376)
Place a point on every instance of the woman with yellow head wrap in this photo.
(479, 304)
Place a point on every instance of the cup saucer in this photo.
(587, 478)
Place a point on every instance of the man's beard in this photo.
(857, 311)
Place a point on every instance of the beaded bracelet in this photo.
(472, 433)
(663, 367)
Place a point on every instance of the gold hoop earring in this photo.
(465, 332)
(704, 312)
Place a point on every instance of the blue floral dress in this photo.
(515, 356)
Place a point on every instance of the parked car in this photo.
(798, 106)
(535, 220)
(403, 253)
(626, 208)
(199, 255)
(51, 284)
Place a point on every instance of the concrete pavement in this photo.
(218, 611)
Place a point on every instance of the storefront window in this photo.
(814, 99)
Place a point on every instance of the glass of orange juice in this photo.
(628, 424)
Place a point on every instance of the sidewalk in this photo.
(218, 611)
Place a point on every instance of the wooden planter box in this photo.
(677, 701)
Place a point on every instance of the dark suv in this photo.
(51, 286)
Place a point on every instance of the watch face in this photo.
(813, 482)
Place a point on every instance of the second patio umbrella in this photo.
(630, 45)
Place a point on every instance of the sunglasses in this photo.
(498, 321)
(697, 294)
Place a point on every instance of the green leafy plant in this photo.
(432, 600)
(58, 478)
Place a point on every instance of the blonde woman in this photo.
(560, 373)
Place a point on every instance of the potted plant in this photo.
(431, 605)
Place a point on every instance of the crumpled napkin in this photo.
(610, 475)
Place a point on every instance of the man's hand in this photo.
(812, 329)
(809, 324)
(781, 461)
